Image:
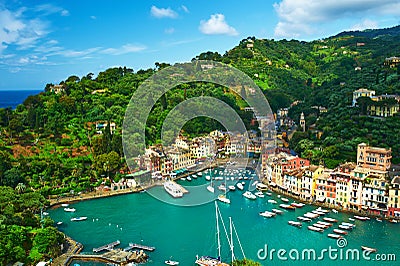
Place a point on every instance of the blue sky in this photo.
(48, 41)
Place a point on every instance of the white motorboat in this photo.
(259, 194)
(335, 236)
(171, 262)
(277, 211)
(330, 220)
(285, 200)
(316, 229)
(272, 201)
(268, 193)
(297, 224)
(311, 215)
(320, 226)
(208, 178)
(324, 223)
(76, 219)
(351, 219)
(261, 186)
(267, 214)
(287, 207)
(303, 219)
(222, 187)
(338, 231)
(361, 218)
(194, 176)
(348, 224)
(188, 178)
(232, 188)
(69, 209)
(345, 227)
(335, 211)
(59, 223)
(210, 188)
(173, 189)
(240, 186)
(297, 205)
(249, 195)
(368, 249)
(224, 199)
(64, 205)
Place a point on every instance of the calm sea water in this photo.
(12, 98)
(184, 232)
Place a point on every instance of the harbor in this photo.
(150, 221)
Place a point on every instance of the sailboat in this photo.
(212, 261)
(222, 197)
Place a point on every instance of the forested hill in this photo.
(373, 33)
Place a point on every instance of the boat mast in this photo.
(219, 243)
(237, 236)
(231, 244)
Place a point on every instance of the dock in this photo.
(139, 246)
(108, 247)
(114, 257)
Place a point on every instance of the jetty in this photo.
(139, 246)
(108, 247)
(115, 257)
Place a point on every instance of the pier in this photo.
(139, 246)
(115, 257)
(108, 247)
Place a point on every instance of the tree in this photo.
(20, 188)
(245, 262)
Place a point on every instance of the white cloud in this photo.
(185, 9)
(163, 12)
(216, 25)
(15, 30)
(64, 13)
(93, 17)
(125, 49)
(48, 9)
(307, 17)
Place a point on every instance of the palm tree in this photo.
(20, 188)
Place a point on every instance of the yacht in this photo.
(261, 186)
(293, 223)
(79, 219)
(272, 201)
(249, 195)
(259, 194)
(173, 189)
(171, 262)
(224, 199)
(69, 209)
(222, 187)
(232, 188)
(210, 188)
(240, 186)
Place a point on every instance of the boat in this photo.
(272, 201)
(208, 178)
(335, 211)
(303, 219)
(194, 176)
(320, 226)
(173, 189)
(222, 187)
(259, 194)
(285, 200)
(348, 224)
(77, 219)
(171, 262)
(240, 186)
(311, 215)
(287, 207)
(393, 221)
(318, 212)
(69, 209)
(277, 211)
(351, 219)
(369, 249)
(188, 178)
(210, 188)
(268, 193)
(267, 214)
(297, 224)
(232, 188)
(212, 261)
(338, 231)
(361, 218)
(324, 223)
(200, 173)
(224, 199)
(316, 229)
(322, 210)
(45, 213)
(378, 219)
(59, 223)
(345, 227)
(297, 205)
(64, 205)
(335, 236)
(330, 220)
(261, 187)
(249, 195)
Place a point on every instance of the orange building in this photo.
(373, 157)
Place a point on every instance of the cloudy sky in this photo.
(47, 41)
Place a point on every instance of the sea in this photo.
(12, 98)
(181, 233)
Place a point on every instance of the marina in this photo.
(152, 221)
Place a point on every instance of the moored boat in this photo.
(297, 224)
(76, 219)
(277, 211)
(240, 186)
(297, 205)
(272, 201)
(310, 215)
(338, 231)
(69, 209)
(267, 214)
(285, 200)
(369, 249)
(303, 219)
(232, 188)
(224, 199)
(393, 221)
(318, 212)
(335, 236)
(261, 187)
(320, 226)
(64, 205)
(351, 219)
(259, 194)
(171, 262)
(316, 229)
(287, 207)
(324, 223)
(188, 178)
(249, 195)
(173, 189)
(330, 220)
(361, 218)
(348, 224)
(345, 227)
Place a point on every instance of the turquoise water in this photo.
(184, 232)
